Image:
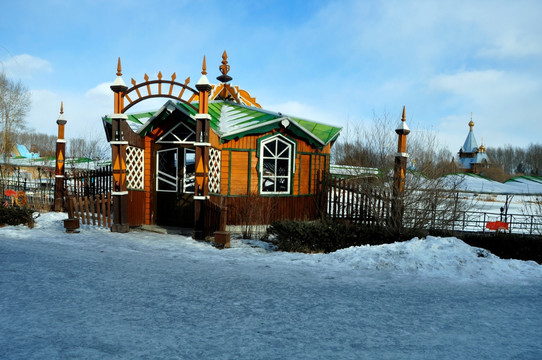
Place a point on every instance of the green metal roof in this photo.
(231, 120)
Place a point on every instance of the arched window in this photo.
(276, 164)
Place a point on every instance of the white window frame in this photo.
(176, 181)
(288, 153)
(165, 177)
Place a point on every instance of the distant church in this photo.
(472, 158)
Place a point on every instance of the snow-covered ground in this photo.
(102, 295)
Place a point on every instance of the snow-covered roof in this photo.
(232, 120)
(352, 171)
(521, 185)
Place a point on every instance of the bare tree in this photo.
(430, 200)
(516, 160)
(14, 105)
(94, 147)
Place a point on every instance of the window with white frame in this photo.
(175, 171)
(276, 165)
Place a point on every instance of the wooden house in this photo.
(216, 149)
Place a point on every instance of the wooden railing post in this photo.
(401, 156)
(60, 159)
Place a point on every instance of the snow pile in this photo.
(432, 257)
(438, 257)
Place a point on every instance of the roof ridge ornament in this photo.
(224, 69)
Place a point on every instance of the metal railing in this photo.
(474, 221)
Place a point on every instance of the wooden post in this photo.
(118, 157)
(222, 237)
(201, 186)
(397, 206)
(60, 157)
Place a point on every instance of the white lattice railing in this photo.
(135, 168)
(214, 170)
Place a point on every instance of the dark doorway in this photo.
(175, 168)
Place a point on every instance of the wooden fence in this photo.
(81, 183)
(355, 201)
(91, 210)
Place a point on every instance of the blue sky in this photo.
(338, 62)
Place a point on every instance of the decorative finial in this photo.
(118, 85)
(224, 69)
(203, 83)
(61, 120)
(403, 129)
(204, 67)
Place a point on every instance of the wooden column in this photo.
(201, 187)
(60, 160)
(118, 157)
(397, 206)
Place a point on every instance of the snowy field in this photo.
(101, 295)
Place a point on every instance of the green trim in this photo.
(229, 174)
(310, 174)
(238, 149)
(249, 171)
(299, 176)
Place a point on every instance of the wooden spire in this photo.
(119, 68)
(204, 67)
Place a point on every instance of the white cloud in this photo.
(512, 46)
(486, 86)
(82, 112)
(25, 66)
(100, 97)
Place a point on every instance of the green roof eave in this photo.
(168, 108)
(247, 121)
(275, 124)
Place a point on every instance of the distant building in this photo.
(21, 151)
(472, 158)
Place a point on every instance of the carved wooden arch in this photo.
(147, 85)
